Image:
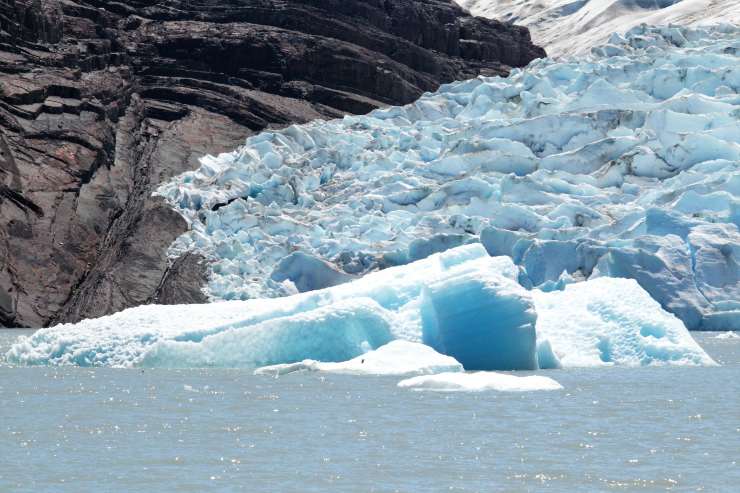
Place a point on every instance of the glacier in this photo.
(462, 303)
(623, 163)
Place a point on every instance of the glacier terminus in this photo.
(623, 163)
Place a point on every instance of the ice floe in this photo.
(479, 382)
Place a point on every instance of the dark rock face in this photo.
(101, 101)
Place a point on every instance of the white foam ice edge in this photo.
(437, 372)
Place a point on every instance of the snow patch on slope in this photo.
(567, 27)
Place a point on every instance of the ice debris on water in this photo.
(461, 303)
(478, 382)
(623, 163)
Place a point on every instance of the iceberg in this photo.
(330, 325)
(465, 306)
(398, 357)
(479, 382)
(608, 321)
(621, 163)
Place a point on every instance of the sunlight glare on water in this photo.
(652, 429)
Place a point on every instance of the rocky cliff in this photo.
(100, 101)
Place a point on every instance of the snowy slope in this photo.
(574, 26)
(625, 163)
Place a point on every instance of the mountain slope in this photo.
(566, 27)
(100, 101)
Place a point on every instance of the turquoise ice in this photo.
(462, 303)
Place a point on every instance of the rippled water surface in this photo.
(613, 429)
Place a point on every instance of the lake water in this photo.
(610, 429)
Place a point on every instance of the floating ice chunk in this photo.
(546, 357)
(395, 358)
(120, 339)
(609, 321)
(479, 382)
(662, 265)
(727, 335)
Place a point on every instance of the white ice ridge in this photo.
(610, 322)
(478, 382)
(398, 357)
(624, 163)
(462, 303)
(566, 27)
